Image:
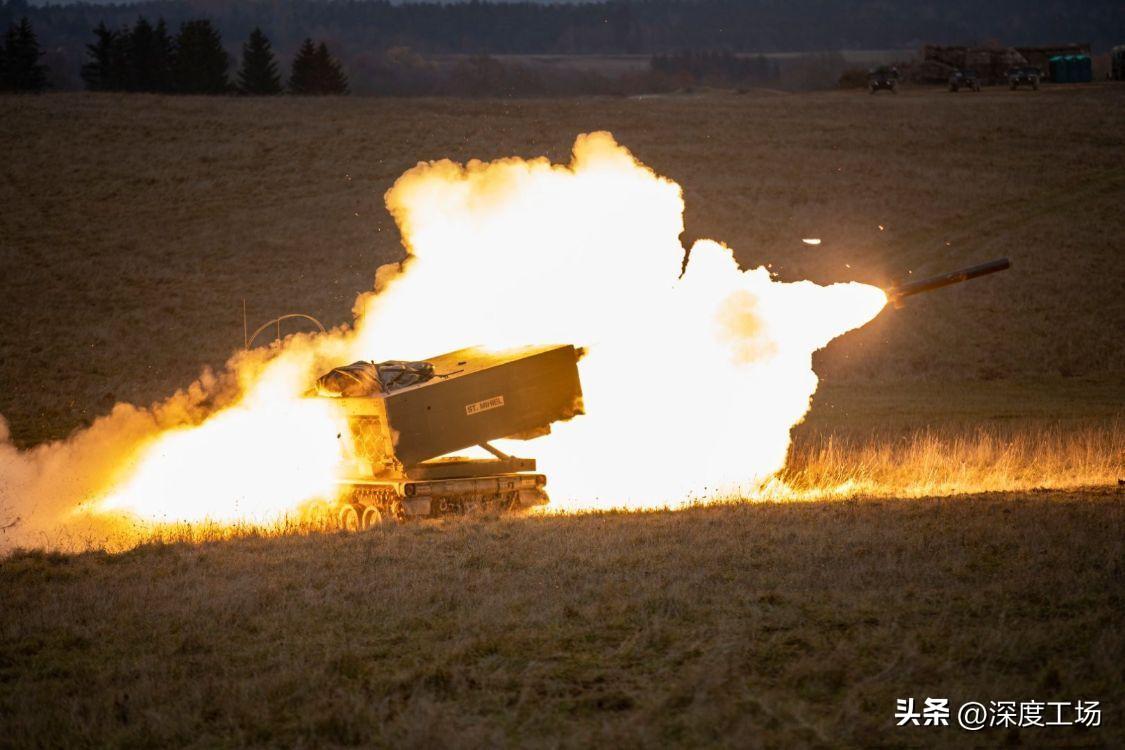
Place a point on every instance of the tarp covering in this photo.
(369, 379)
(394, 374)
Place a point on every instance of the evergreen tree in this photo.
(200, 65)
(120, 65)
(329, 73)
(22, 70)
(149, 56)
(302, 77)
(146, 58)
(98, 72)
(315, 71)
(165, 52)
(259, 74)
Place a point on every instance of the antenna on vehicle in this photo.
(277, 321)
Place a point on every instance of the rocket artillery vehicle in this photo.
(405, 418)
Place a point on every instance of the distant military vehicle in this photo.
(882, 78)
(964, 79)
(1023, 77)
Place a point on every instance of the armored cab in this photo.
(882, 78)
(964, 79)
(406, 417)
(1025, 76)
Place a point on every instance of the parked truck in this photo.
(882, 78)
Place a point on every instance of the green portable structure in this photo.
(1057, 69)
(1085, 68)
(1071, 68)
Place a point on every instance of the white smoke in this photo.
(692, 381)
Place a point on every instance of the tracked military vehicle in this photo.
(406, 418)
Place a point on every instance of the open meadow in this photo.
(774, 624)
(133, 227)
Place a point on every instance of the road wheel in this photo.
(372, 517)
(349, 518)
(396, 512)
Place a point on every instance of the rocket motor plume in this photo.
(693, 378)
(691, 382)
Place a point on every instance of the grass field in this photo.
(132, 227)
(775, 624)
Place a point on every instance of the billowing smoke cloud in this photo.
(41, 487)
(234, 447)
(693, 377)
(691, 382)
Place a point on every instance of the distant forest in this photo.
(363, 32)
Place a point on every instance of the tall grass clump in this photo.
(936, 461)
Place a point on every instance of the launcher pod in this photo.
(407, 418)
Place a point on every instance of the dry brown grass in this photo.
(771, 624)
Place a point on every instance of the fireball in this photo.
(696, 369)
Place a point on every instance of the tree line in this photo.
(650, 27)
(413, 48)
(20, 66)
(148, 58)
(367, 36)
